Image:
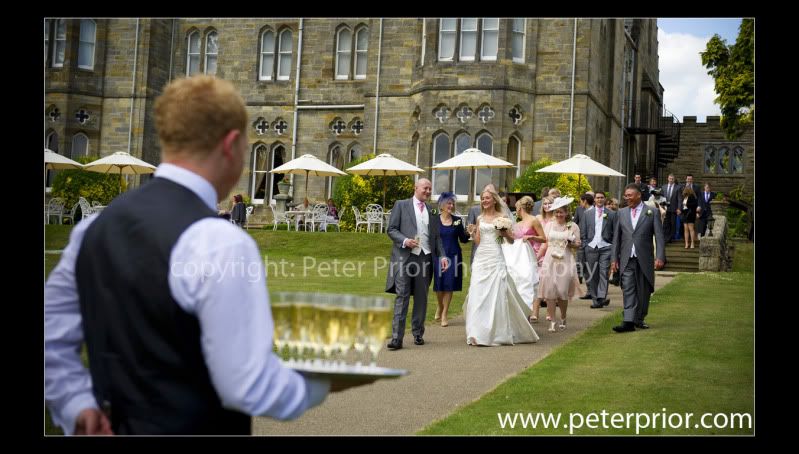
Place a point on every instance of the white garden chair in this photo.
(359, 219)
(374, 216)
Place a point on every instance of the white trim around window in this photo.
(267, 55)
(343, 53)
(60, 46)
(518, 39)
(284, 55)
(193, 53)
(88, 36)
(468, 44)
(489, 44)
(211, 53)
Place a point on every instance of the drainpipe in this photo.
(621, 141)
(296, 101)
(571, 110)
(133, 89)
(172, 48)
(377, 88)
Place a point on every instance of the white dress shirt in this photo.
(422, 230)
(597, 241)
(638, 213)
(217, 275)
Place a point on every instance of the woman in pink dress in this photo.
(540, 248)
(557, 283)
(529, 229)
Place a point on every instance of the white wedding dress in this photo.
(495, 312)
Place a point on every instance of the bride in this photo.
(495, 312)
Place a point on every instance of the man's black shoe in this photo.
(641, 325)
(418, 340)
(395, 344)
(597, 306)
(605, 302)
(624, 327)
(587, 296)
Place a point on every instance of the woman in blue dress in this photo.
(451, 230)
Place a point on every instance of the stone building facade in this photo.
(420, 89)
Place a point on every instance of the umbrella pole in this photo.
(384, 190)
(470, 200)
(305, 196)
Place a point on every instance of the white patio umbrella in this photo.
(120, 162)
(308, 164)
(473, 158)
(386, 165)
(581, 165)
(55, 161)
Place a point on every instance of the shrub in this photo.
(359, 191)
(74, 184)
(530, 181)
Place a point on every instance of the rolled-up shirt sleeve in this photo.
(218, 275)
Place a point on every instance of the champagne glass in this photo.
(329, 324)
(281, 315)
(378, 324)
(349, 327)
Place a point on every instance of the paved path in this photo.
(445, 374)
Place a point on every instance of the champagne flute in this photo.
(281, 315)
(378, 324)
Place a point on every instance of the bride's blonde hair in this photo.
(497, 202)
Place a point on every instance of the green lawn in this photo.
(697, 358)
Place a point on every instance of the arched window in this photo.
(60, 43)
(355, 152)
(284, 60)
(336, 159)
(259, 173)
(343, 53)
(51, 142)
(482, 177)
(267, 55)
(211, 52)
(277, 159)
(441, 178)
(724, 160)
(193, 54)
(461, 177)
(517, 40)
(737, 160)
(514, 156)
(710, 159)
(88, 33)
(80, 145)
(361, 48)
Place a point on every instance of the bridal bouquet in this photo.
(502, 224)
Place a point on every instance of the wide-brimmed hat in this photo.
(560, 202)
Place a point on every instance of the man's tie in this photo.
(670, 192)
(707, 196)
(421, 207)
(599, 212)
(635, 213)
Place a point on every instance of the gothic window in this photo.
(441, 178)
(343, 53)
(277, 159)
(361, 48)
(485, 143)
(82, 116)
(259, 173)
(461, 177)
(80, 145)
(356, 126)
(485, 113)
(211, 52)
(464, 113)
(441, 113)
(54, 114)
(261, 126)
(193, 54)
(517, 40)
(724, 160)
(335, 159)
(267, 55)
(737, 160)
(347, 65)
(280, 127)
(516, 115)
(88, 33)
(284, 59)
(355, 152)
(60, 43)
(514, 156)
(710, 159)
(338, 126)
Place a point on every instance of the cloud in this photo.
(688, 89)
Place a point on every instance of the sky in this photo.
(688, 89)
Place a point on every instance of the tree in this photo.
(733, 69)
